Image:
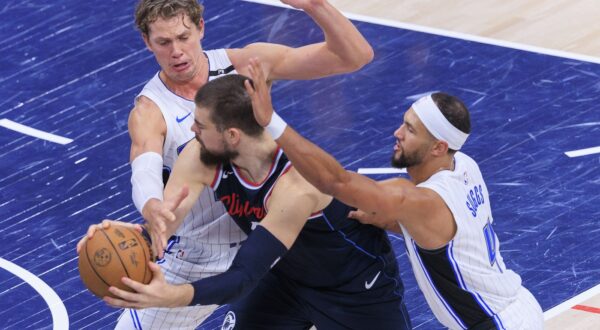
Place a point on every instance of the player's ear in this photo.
(201, 28)
(440, 148)
(146, 39)
(232, 135)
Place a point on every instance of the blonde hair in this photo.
(148, 11)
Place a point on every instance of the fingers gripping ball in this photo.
(112, 253)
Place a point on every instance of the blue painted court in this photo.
(72, 68)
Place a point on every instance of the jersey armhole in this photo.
(288, 166)
(217, 177)
(286, 169)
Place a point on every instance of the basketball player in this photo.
(328, 271)
(443, 212)
(159, 126)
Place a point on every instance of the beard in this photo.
(215, 158)
(405, 160)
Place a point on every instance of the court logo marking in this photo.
(229, 321)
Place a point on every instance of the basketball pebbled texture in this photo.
(111, 254)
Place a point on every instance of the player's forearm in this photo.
(146, 180)
(342, 38)
(254, 259)
(318, 167)
(182, 295)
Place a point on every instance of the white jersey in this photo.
(208, 239)
(178, 113)
(466, 282)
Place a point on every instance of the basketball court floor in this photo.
(69, 71)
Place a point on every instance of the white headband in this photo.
(435, 122)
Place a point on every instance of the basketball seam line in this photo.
(143, 241)
(116, 252)
(87, 254)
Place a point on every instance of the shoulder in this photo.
(146, 112)
(144, 104)
(437, 188)
(290, 178)
(291, 185)
(415, 201)
(465, 163)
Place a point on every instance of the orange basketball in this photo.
(112, 254)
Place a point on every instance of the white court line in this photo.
(34, 132)
(583, 152)
(452, 34)
(385, 170)
(60, 317)
(556, 310)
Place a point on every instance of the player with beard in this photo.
(326, 271)
(443, 211)
(159, 125)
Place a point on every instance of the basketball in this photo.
(111, 254)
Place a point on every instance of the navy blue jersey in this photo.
(330, 250)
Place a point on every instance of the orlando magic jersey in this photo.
(207, 222)
(466, 282)
(329, 251)
(208, 240)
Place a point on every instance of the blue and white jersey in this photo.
(207, 222)
(208, 240)
(466, 282)
(178, 111)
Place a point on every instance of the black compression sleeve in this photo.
(254, 259)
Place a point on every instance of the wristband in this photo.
(276, 126)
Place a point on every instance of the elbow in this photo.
(363, 56)
(356, 59)
(368, 55)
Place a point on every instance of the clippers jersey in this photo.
(330, 249)
(466, 282)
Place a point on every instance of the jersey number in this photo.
(490, 242)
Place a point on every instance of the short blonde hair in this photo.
(148, 11)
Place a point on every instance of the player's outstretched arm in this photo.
(344, 50)
(188, 177)
(420, 210)
(317, 166)
(147, 130)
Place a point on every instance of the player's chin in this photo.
(181, 75)
(397, 159)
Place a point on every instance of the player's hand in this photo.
(105, 224)
(156, 225)
(259, 93)
(157, 293)
(375, 220)
(161, 220)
